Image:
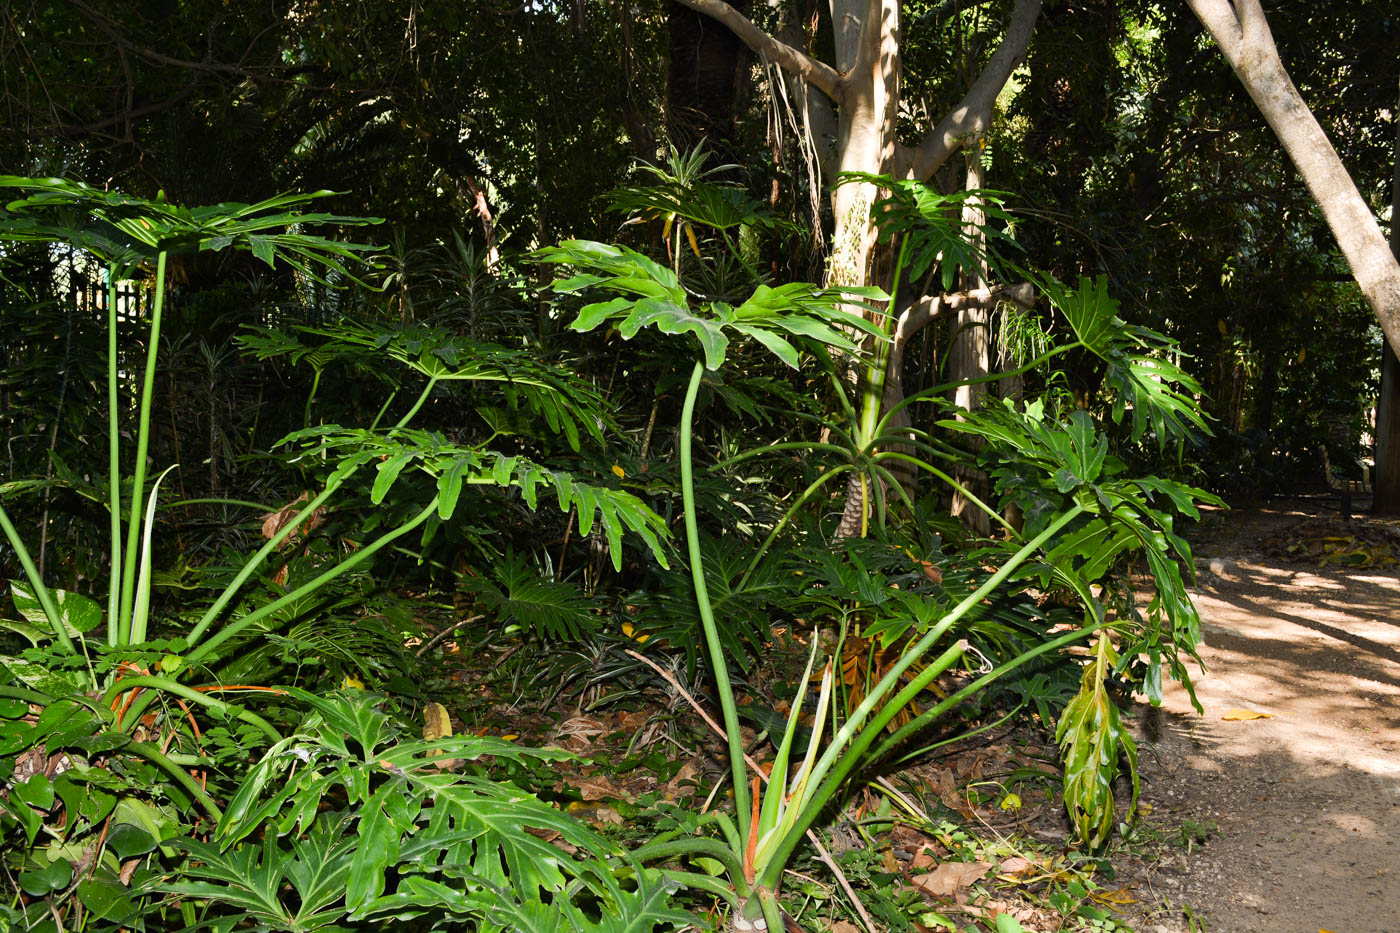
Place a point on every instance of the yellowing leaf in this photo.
(1302, 355)
(511, 737)
(1224, 328)
(351, 682)
(630, 632)
(1242, 715)
(690, 235)
(1010, 802)
(437, 724)
(618, 471)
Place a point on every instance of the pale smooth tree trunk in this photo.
(970, 356)
(864, 89)
(1242, 33)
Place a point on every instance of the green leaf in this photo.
(78, 612)
(775, 344)
(1090, 734)
(37, 792)
(44, 880)
(107, 898)
(450, 486)
(389, 471)
(126, 841)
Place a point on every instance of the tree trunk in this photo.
(970, 355)
(704, 83)
(1385, 484)
(1239, 28)
(867, 55)
(864, 86)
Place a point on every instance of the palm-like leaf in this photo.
(546, 608)
(123, 229)
(567, 404)
(1160, 393)
(656, 297)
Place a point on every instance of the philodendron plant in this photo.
(767, 827)
(1084, 516)
(94, 692)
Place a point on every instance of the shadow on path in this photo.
(1306, 803)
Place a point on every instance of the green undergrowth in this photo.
(642, 766)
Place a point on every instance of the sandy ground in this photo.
(1305, 805)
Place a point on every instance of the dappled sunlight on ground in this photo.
(1307, 801)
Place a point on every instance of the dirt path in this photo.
(1305, 805)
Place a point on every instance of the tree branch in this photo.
(126, 116)
(818, 74)
(972, 114)
(1240, 29)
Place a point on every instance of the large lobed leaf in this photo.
(656, 297)
(124, 229)
(453, 466)
(412, 841)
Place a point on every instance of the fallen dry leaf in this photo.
(922, 859)
(951, 877)
(684, 781)
(843, 926)
(1242, 715)
(599, 788)
(1015, 866)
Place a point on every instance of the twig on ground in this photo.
(423, 648)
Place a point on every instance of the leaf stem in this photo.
(138, 474)
(194, 696)
(114, 463)
(311, 586)
(41, 592)
(718, 661)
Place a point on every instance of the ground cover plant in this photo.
(139, 795)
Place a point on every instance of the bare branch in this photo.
(922, 312)
(126, 116)
(818, 74)
(973, 113)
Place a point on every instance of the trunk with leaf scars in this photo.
(1386, 482)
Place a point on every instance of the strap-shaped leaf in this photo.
(1091, 735)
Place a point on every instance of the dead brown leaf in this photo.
(683, 783)
(922, 859)
(1015, 865)
(599, 788)
(951, 877)
(274, 522)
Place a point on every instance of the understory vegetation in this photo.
(227, 740)
(670, 549)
